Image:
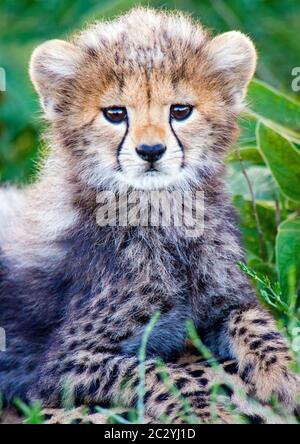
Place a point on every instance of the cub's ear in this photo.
(51, 65)
(232, 56)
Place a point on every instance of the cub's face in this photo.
(147, 132)
(150, 125)
(149, 109)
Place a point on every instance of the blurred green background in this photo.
(273, 24)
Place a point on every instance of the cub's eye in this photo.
(115, 114)
(180, 112)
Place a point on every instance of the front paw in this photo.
(268, 379)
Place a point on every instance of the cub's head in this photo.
(148, 100)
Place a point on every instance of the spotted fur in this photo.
(75, 297)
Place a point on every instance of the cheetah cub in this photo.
(145, 103)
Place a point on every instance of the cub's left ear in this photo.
(233, 56)
(53, 64)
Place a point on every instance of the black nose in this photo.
(151, 153)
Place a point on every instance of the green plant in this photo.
(32, 413)
(264, 178)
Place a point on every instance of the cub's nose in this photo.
(151, 153)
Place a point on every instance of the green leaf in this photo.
(247, 125)
(263, 184)
(288, 255)
(267, 219)
(246, 153)
(263, 268)
(282, 158)
(275, 109)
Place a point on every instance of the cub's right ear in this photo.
(51, 65)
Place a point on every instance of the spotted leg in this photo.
(249, 335)
(106, 379)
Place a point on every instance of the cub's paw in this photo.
(269, 379)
